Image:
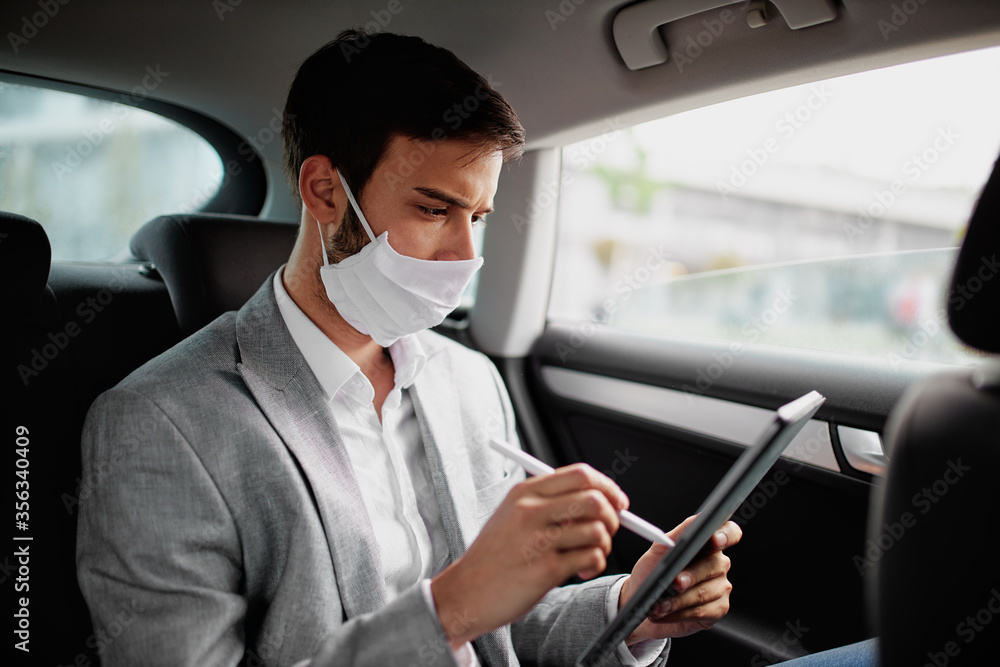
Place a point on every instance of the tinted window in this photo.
(822, 216)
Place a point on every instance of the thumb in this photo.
(676, 533)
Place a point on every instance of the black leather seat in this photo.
(72, 331)
(41, 419)
(212, 263)
(938, 579)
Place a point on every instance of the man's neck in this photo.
(301, 279)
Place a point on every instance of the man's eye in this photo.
(479, 221)
(433, 211)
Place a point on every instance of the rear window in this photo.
(93, 171)
(823, 216)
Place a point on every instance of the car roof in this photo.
(555, 61)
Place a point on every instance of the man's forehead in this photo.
(456, 167)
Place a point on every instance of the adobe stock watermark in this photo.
(58, 340)
(912, 170)
(898, 17)
(768, 489)
(93, 137)
(381, 18)
(32, 24)
(223, 7)
(533, 206)
(923, 502)
(561, 12)
(581, 158)
(695, 45)
(137, 434)
(623, 289)
(967, 630)
(787, 126)
(620, 464)
(762, 495)
(543, 540)
(961, 294)
(910, 348)
(452, 118)
(266, 650)
(777, 650)
(958, 296)
(259, 140)
(432, 649)
(103, 637)
(751, 331)
(495, 426)
(584, 154)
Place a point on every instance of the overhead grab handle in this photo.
(636, 27)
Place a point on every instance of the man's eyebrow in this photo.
(442, 196)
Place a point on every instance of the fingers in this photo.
(698, 584)
(576, 477)
(706, 600)
(727, 536)
(584, 535)
(576, 510)
(586, 563)
(577, 548)
(676, 533)
(574, 507)
(715, 606)
(710, 567)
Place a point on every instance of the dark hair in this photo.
(349, 98)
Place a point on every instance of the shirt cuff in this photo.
(640, 654)
(465, 655)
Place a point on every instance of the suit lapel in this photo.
(436, 404)
(291, 398)
(438, 411)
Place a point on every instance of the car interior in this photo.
(877, 525)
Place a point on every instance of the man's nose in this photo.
(460, 244)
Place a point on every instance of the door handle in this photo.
(863, 449)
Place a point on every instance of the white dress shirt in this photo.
(391, 467)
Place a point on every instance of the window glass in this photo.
(823, 216)
(93, 171)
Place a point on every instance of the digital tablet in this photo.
(748, 470)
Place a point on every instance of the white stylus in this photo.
(640, 527)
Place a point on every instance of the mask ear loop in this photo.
(322, 243)
(357, 209)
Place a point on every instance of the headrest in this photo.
(25, 258)
(974, 295)
(212, 263)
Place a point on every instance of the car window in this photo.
(93, 171)
(823, 216)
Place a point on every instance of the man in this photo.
(308, 481)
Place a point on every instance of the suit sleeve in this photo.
(159, 558)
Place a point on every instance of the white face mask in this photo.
(387, 295)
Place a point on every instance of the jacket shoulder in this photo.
(210, 351)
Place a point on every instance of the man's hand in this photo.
(547, 529)
(702, 589)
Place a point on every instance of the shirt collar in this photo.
(330, 365)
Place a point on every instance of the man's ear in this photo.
(320, 189)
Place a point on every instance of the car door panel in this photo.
(799, 572)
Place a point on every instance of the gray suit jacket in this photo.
(221, 520)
